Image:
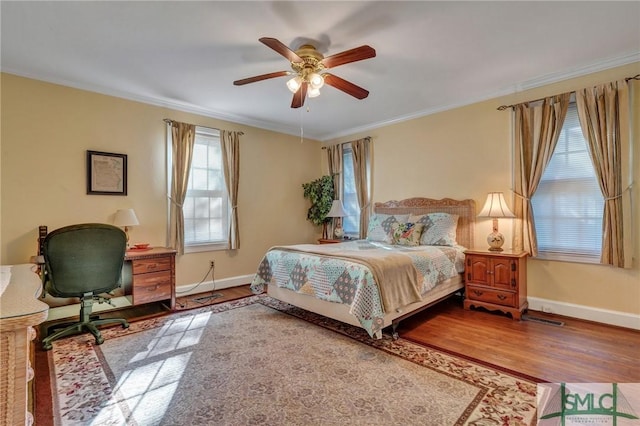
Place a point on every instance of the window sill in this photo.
(566, 257)
(198, 248)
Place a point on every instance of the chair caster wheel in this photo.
(47, 346)
(125, 325)
(99, 341)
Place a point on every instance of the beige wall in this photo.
(466, 152)
(46, 130)
(461, 153)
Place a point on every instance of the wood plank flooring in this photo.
(579, 351)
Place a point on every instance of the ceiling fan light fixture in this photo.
(313, 92)
(294, 84)
(316, 81)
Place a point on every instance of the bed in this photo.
(377, 282)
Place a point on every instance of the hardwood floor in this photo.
(579, 351)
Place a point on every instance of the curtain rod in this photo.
(503, 107)
(366, 137)
(169, 121)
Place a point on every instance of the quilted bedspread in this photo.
(328, 273)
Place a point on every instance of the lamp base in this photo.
(495, 240)
(338, 232)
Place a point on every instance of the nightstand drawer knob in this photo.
(477, 292)
(502, 296)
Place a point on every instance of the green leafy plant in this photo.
(320, 193)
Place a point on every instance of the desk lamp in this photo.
(495, 207)
(337, 211)
(126, 218)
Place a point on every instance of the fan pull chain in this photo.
(301, 126)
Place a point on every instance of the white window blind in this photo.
(568, 205)
(206, 206)
(351, 222)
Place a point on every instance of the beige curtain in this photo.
(362, 174)
(334, 159)
(537, 129)
(603, 112)
(182, 140)
(230, 143)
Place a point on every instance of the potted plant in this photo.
(320, 193)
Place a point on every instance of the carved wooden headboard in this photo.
(465, 209)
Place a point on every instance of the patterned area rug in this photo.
(258, 361)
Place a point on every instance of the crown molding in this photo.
(525, 85)
(325, 137)
(164, 103)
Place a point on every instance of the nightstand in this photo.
(328, 241)
(496, 281)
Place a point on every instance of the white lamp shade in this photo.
(495, 206)
(337, 209)
(316, 81)
(125, 217)
(294, 84)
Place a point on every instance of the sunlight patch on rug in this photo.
(247, 362)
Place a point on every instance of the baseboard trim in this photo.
(206, 286)
(617, 318)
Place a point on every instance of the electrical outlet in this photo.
(546, 309)
(212, 263)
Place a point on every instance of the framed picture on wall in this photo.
(106, 173)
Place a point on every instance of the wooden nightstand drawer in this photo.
(497, 297)
(142, 266)
(151, 287)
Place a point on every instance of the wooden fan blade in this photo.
(352, 55)
(260, 77)
(298, 97)
(345, 86)
(281, 48)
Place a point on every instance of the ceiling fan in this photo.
(309, 70)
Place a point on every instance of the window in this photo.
(568, 205)
(351, 222)
(206, 205)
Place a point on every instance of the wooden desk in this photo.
(152, 273)
(20, 311)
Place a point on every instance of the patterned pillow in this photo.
(406, 234)
(439, 228)
(380, 226)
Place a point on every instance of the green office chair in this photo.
(83, 261)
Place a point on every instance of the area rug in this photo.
(258, 361)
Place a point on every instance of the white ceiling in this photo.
(431, 56)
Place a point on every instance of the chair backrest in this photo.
(84, 258)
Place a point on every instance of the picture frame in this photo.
(106, 173)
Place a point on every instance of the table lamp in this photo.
(126, 218)
(495, 207)
(337, 211)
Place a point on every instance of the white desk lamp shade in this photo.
(126, 218)
(495, 207)
(337, 210)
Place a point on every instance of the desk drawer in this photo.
(151, 287)
(142, 266)
(497, 297)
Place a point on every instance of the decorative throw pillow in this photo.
(439, 228)
(406, 234)
(380, 226)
